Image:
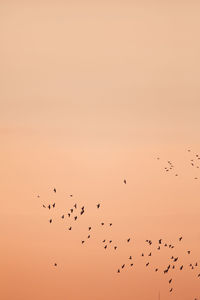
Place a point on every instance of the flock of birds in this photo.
(174, 262)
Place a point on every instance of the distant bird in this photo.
(71, 195)
(156, 270)
(115, 247)
(188, 252)
(75, 218)
(55, 264)
(54, 190)
(82, 242)
(180, 238)
(110, 224)
(82, 212)
(131, 265)
(128, 240)
(43, 206)
(71, 210)
(181, 268)
(69, 215)
(142, 254)
(105, 247)
(98, 205)
(110, 241)
(171, 290)
(62, 216)
(160, 241)
(130, 257)
(75, 205)
(118, 271)
(38, 196)
(70, 228)
(50, 221)
(102, 223)
(89, 228)
(150, 254)
(124, 181)
(88, 236)
(104, 241)
(53, 205)
(170, 281)
(82, 208)
(147, 264)
(49, 206)
(123, 266)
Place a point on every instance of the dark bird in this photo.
(38, 196)
(54, 205)
(188, 252)
(50, 221)
(62, 216)
(82, 212)
(54, 190)
(71, 210)
(104, 241)
(156, 270)
(75, 218)
(171, 290)
(69, 215)
(82, 208)
(124, 181)
(49, 206)
(55, 264)
(128, 240)
(180, 238)
(44, 206)
(160, 241)
(142, 254)
(147, 264)
(88, 236)
(70, 228)
(82, 242)
(123, 266)
(89, 228)
(115, 247)
(102, 224)
(181, 268)
(150, 254)
(131, 265)
(98, 205)
(118, 271)
(130, 257)
(170, 281)
(71, 195)
(110, 241)
(105, 246)
(75, 205)
(110, 224)
(158, 248)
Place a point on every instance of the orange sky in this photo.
(92, 92)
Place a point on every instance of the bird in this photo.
(70, 228)
(104, 241)
(171, 290)
(55, 264)
(98, 205)
(147, 264)
(180, 238)
(160, 241)
(131, 265)
(75, 205)
(43, 206)
(54, 190)
(115, 247)
(124, 181)
(123, 266)
(150, 254)
(54, 205)
(62, 216)
(71, 195)
(128, 240)
(71, 210)
(102, 223)
(118, 271)
(75, 218)
(82, 212)
(110, 241)
(88, 236)
(188, 251)
(89, 228)
(156, 270)
(110, 224)
(82, 242)
(69, 215)
(130, 257)
(105, 247)
(50, 221)
(170, 280)
(181, 267)
(49, 206)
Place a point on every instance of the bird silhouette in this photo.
(124, 181)
(98, 205)
(54, 190)
(50, 221)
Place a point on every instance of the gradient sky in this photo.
(92, 92)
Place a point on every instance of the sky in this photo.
(93, 92)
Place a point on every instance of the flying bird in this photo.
(54, 190)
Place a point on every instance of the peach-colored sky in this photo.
(92, 92)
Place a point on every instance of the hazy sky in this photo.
(92, 92)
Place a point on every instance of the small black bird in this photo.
(88, 236)
(118, 271)
(75, 218)
(102, 224)
(50, 221)
(156, 270)
(49, 206)
(180, 238)
(89, 228)
(71, 210)
(110, 224)
(82, 242)
(105, 247)
(115, 247)
(75, 205)
(128, 240)
(131, 265)
(188, 252)
(147, 264)
(104, 241)
(71, 195)
(124, 181)
(54, 205)
(55, 264)
(130, 257)
(69, 215)
(54, 190)
(62, 216)
(70, 228)
(170, 280)
(44, 206)
(82, 212)
(123, 266)
(98, 205)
